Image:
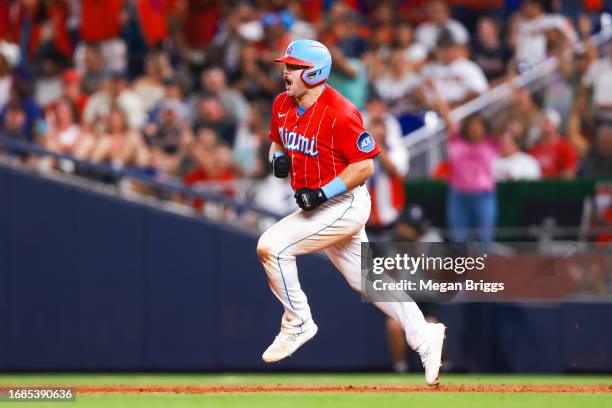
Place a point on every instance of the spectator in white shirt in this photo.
(531, 41)
(214, 82)
(399, 81)
(439, 18)
(513, 164)
(115, 90)
(9, 57)
(455, 78)
(599, 78)
(377, 110)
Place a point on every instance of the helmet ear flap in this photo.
(312, 76)
(316, 75)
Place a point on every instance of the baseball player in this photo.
(318, 139)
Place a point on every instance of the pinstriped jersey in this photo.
(323, 140)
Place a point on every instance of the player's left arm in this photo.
(352, 176)
(357, 173)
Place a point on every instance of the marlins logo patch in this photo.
(365, 143)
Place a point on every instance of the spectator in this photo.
(455, 78)
(163, 137)
(196, 22)
(20, 96)
(531, 40)
(598, 162)
(248, 141)
(377, 109)
(521, 106)
(196, 151)
(14, 122)
(104, 32)
(152, 20)
(149, 87)
(226, 45)
(48, 83)
(599, 78)
(63, 133)
(439, 18)
(71, 90)
(349, 74)
(472, 200)
(556, 155)
(513, 164)
(299, 28)
(222, 169)
(115, 90)
(210, 114)
(92, 69)
(275, 34)
(234, 104)
(9, 57)
(172, 93)
(39, 26)
(558, 94)
(119, 145)
(488, 51)
(386, 185)
(255, 79)
(404, 37)
(396, 87)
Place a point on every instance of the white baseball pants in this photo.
(337, 227)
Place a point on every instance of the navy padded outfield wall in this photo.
(92, 282)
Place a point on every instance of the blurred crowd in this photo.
(182, 89)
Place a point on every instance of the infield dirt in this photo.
(230, 389)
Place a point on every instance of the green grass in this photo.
(318, 400)
(464, 400)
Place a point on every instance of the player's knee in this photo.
(265, 248)
(393, 326)
(263, 251)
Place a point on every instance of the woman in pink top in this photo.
(471, 201)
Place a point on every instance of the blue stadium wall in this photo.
(92, 282)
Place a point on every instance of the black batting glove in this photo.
(280, 166)
(309, 199)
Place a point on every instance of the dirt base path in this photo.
(228, 389)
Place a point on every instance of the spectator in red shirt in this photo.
(71, 89)
(556, 156)
(102, 23)
(100, 20)
(151, 15)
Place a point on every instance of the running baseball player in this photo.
(318, 139)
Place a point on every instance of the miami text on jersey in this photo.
(300, 143)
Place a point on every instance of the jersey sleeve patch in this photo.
(365, 142)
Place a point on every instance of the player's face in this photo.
(294, 85)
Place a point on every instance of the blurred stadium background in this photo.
(134, 176)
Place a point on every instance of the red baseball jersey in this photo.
(323, 141)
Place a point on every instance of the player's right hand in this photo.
(280, 166)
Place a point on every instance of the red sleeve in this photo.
(273, 134)
(568, 156)
(356, 144)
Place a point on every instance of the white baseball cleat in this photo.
(285, 344)
(432, 356)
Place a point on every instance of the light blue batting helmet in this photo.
(313, 56)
